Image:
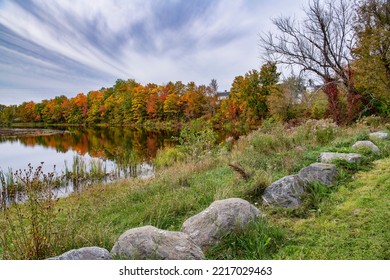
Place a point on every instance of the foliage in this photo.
(283, 100)
(197, 139)
(168, 157)
(372, 54)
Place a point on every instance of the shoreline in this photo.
(11, 132)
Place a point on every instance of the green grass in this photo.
(353, 224)
(184, 187)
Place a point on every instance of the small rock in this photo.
(368, 144)
(222, 217)
(323, 173)
(328, 157)
(150, 243)
(379, 135)
(86, 253)
(285, 192)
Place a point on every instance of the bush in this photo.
(197, 138)
(168, 157)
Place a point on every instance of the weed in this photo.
(30, 233)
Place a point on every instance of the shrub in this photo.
(197, 138)
(168, 157)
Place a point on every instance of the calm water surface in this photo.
(130, 150)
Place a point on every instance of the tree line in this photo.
(341, 50)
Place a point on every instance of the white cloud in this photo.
(124, 39)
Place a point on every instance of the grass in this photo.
(353, 223)
(183, 187)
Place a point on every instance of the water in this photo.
(127, 152)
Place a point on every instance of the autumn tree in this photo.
(152, 106)
(372, 52)
(319, 44)
(284, 99)
(171, 105)
(78, 109)
(53, 111)
(139, 101)
(95, 107)
(7, 114)
(250, 92)
(27, 111)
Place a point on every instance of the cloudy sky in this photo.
(50, 48)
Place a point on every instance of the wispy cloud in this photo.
(64, 47)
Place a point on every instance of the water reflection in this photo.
(116, 152)
(115, 144)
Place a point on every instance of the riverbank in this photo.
(185, 187)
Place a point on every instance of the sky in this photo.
(63, 47)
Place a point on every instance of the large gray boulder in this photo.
(285, 192)
(221, 218)
(323, 173)
(86, 253)
(328, 157)
(367, 144)
(379, 135)
(150, 243)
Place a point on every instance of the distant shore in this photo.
(29, 132)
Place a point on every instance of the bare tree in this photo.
(320, 43)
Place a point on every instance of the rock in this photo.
(379, 135)
(323, 173)
(374, 148)
(146, 243)
(329, 157)
(86, 253)
(285, 192)
(221, 218)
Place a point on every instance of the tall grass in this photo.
(257, 241)
(28, 231)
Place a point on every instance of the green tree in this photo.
(372, 53)
(139, 101)
(7, 114)
(95, 107)
(284, 99)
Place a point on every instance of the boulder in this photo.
(368, 144)
(221, 218)
(379, 135)
(328, 157)
(285, 192)
(86, 253)
(150, 243)
(323, 173)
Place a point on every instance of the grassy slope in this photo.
(99, 215)
(353, 224)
